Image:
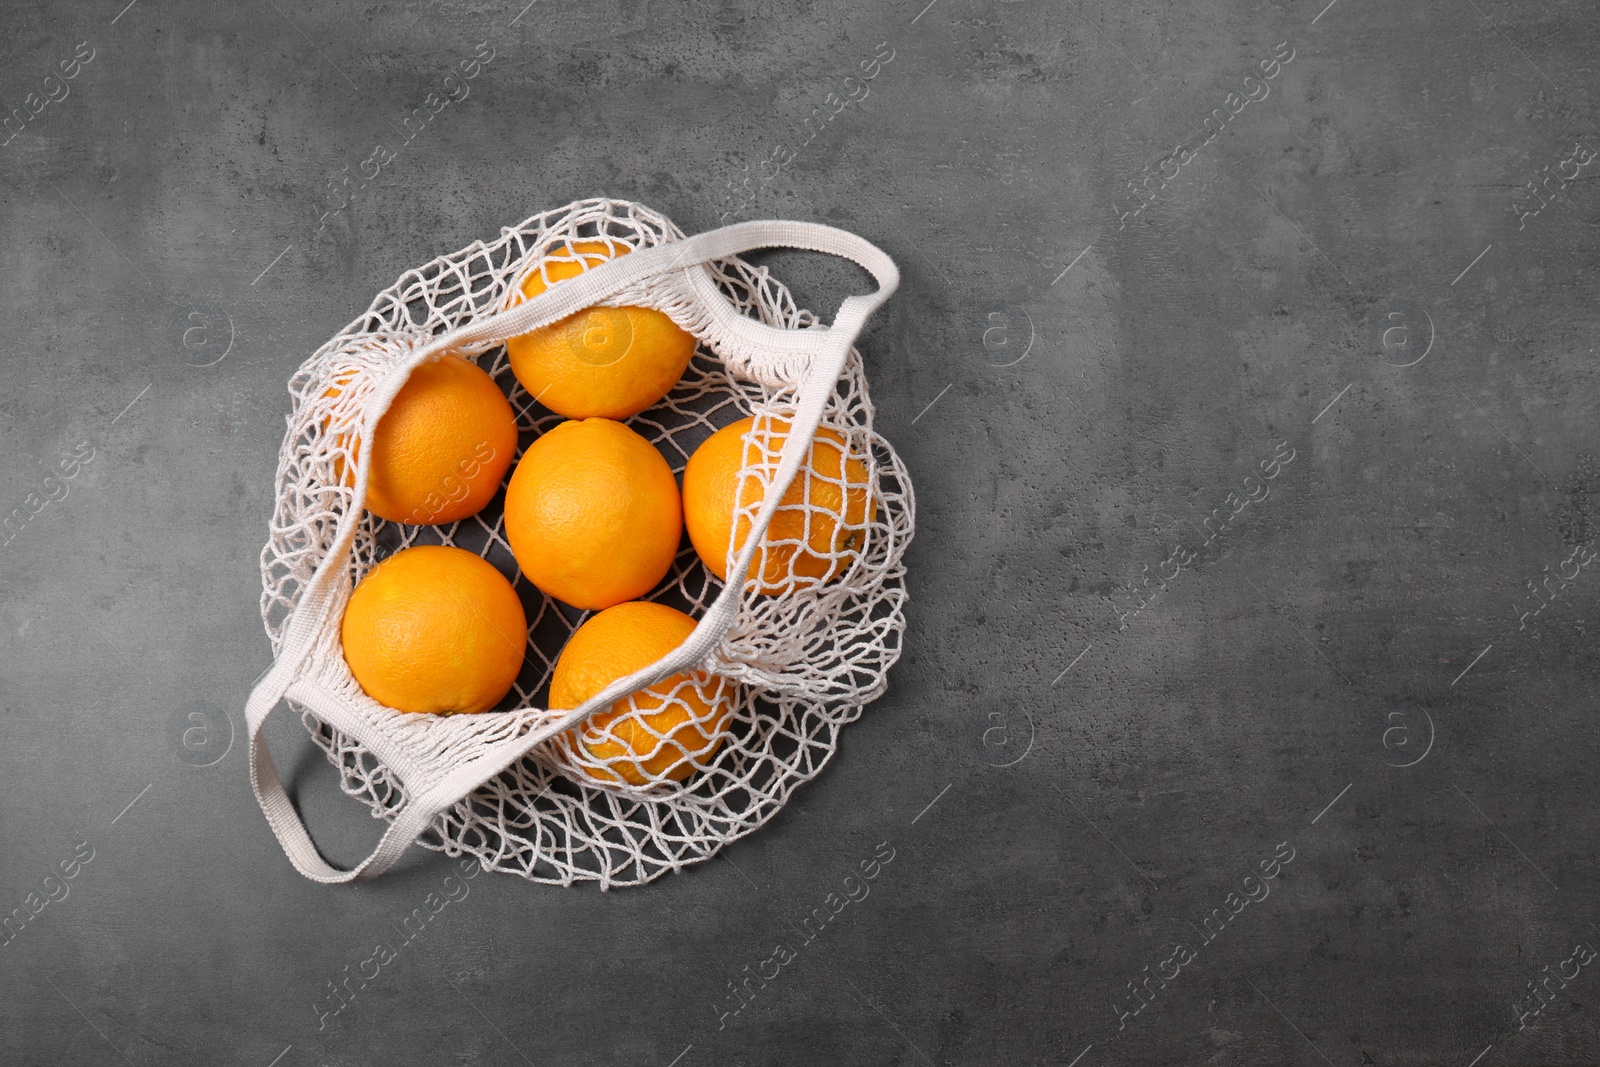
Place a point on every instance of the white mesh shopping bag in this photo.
(777, 662)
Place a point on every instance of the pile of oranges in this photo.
(594, 516)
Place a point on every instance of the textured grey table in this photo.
(1255, 304)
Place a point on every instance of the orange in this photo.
(669, 730)
(820, 523)
(435, 629)
(593, 514)
(603, 361)
(442, 449)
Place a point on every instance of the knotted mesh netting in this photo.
(666, 777)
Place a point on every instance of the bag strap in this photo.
(823, 351)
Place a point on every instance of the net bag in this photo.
(538, 792)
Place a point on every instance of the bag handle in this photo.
(818, 353)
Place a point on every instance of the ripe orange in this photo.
(669, 730)
(602, 362)
(434, 629)
(820, 523)
(593, 514)
(442, 449)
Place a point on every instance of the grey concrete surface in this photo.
(1364, 669)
